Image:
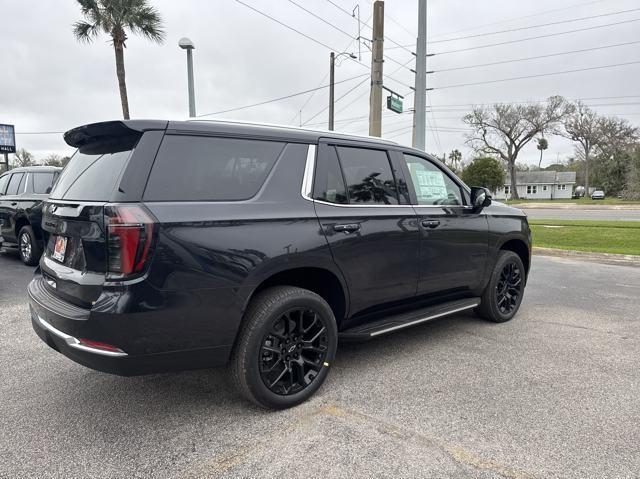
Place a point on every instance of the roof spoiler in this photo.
(108, 130)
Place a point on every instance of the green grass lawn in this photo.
(581, 201)
(620, 237)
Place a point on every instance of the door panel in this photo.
(454, 237)
(374, 238)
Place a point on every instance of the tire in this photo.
(498, 302)
(299, 330)
(28, 246)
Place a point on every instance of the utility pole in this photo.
(420, 98)
(377, 58)
(332, 67)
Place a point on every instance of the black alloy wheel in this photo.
(503, 294)
(285, 348)
(509, 288)
(293, 351)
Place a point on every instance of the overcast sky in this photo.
(49, 82)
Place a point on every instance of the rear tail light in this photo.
(130, 231)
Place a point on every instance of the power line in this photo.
(548, 35)
(513, 19)
(510, 30)
(280, 98)
(322, 19)
(536, 57)
(538, 75)
(337, 100)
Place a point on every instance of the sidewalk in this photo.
(573, 206)
(606, 258)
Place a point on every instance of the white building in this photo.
(540, 185)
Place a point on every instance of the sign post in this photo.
(7, 142)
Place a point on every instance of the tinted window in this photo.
(432, 185)
(90, 177)
(192, 168)
(5, 179)
(368, 175)
(42, 182)
(14, 182)
(329, 181)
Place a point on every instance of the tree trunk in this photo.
(514, 185)
(586, 172)
(540, 162)
(119, 50)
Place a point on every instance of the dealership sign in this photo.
(7, 139)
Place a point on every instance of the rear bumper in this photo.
(61, 325)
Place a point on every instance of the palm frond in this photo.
(84, 31)
(145, 20)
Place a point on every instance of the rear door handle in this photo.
(347, 228)
(430, 223)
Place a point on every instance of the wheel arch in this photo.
(21, 222)
(320, 280)
(519, 247)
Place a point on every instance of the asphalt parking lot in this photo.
(553, 393)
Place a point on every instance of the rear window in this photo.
(42, 182)
(91, 175)
(192, 168)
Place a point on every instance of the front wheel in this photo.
(502, 297)
(286, 345)
(30, 249)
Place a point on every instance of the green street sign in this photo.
(394, 104)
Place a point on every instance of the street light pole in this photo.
(188, 45)
(332, 69)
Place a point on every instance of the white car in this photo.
(597, 195)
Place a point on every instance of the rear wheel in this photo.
(286, 345)
(502, 296)
(30, 249)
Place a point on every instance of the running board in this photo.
(401, 321)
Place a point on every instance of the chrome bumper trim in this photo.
(75, 343)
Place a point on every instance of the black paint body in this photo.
(23, 208)
(210, 258)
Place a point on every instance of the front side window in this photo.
(198, 168)
(368, 175)
(14, 183)
(432, 185)
(42, 182)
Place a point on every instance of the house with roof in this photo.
(540, 185)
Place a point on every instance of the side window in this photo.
(198, 168)
(5, 179)
(432, 185)
(14, 182)
(329, 183)
(42, 183)
(368, 175)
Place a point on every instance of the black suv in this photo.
(180, 245)
(22, 191)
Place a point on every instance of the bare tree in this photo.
(585, 127)
(504, 129)
(23, 158)
(53, 159)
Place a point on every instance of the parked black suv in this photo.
(190, 244)
(22, 191)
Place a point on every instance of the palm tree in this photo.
(543, 144)
(115, 18)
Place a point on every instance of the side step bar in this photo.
(404, 320)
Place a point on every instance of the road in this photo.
(582, 214)
(553, 393)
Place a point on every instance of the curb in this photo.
(606, 258)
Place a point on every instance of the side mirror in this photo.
(480, 197)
